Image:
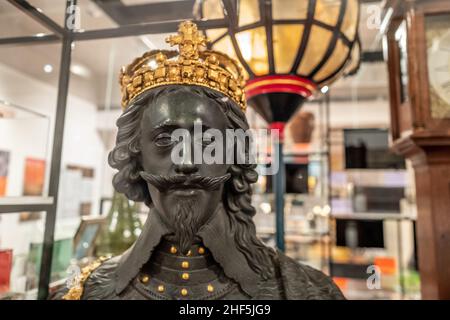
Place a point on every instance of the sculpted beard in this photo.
(185, 222)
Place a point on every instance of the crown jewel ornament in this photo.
(190, 65)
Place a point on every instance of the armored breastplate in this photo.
(167, 277)
(214, 268)
(170, 274)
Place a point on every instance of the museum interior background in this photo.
(366, 158)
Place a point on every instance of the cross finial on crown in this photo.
(188, 40)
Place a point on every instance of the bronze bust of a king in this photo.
(199, 241)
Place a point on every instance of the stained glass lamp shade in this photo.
(288, 48)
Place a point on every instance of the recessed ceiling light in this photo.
(80, 70)
(40, 34)
(48, 68)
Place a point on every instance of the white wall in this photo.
(354, 114)
(82, 146)
(23, 137)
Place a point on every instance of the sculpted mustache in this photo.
(164, 183)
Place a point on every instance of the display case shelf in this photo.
(27, 203)
(373, 216)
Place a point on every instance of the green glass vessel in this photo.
(121, 228)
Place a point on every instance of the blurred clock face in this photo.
(438, 49)
(439, 65)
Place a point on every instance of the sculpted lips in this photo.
(185, 192)
(185, 189)
(184, 184)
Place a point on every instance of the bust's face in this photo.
(180, 110)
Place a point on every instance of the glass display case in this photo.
(28, 160)
(306, 218)
(23, 151)
(20, 257)
(351, 211)
(373, 214)
(24, 163)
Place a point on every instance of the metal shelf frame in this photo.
(18, 204)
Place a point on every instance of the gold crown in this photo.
(188, 66)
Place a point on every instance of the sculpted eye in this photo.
(163, 140)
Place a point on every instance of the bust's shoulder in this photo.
(304, 282)
(96, 282)
(100, 284)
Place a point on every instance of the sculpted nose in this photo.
(186, 165)
(186, 168)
